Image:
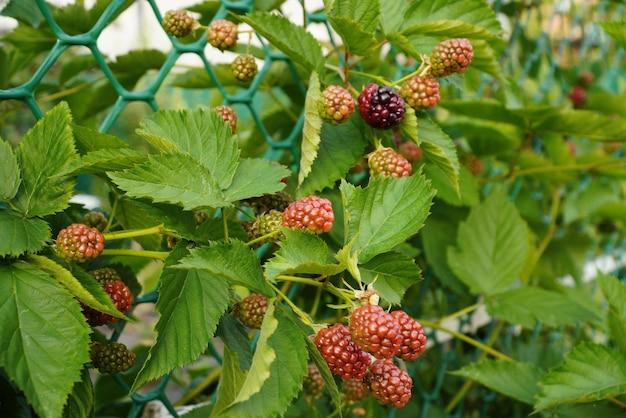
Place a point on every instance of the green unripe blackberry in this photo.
(111, 358)
(178, 23)
(244, 68)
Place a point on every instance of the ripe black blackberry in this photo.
(381, 106)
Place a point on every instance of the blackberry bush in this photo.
(435, 251)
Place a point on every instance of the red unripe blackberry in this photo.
(420, 92)
(251, 310)
(473, 164)
(222, 34)
(111, 358)
(390, 384)
(95, 220)
(375, 331)
(578, 96)
(178, 23)
(244, 67)
(354, 390)
(414, 339)
(311, 213)
(410, 150)
(229, 115)
(337, 104)
(79, 243)
(117, 290)
(343, 356)
(313, 383)
(387, 162)
(451, 56)
(381, 106)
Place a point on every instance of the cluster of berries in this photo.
(383, 107)
(312, 214)
(84, 242)
(384, 336)
(221, 34)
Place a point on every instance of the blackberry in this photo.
(420, 92)
(312, 213)
(450, 57)
(343, 356)
(414, 339)
(390, 384)
(376, 331)
(79, 243)
(251, 310)
(381, 107)
(387, 162)
(337, 104)
(111, 358)
(222, 34)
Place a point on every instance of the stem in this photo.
(541, 248)
(617, 402)
(379, 79)
(316, 302)
(303, 315)
(559, 168)
(112, 215)
(483, 347)
(211, 378)
(131, 233)
(68, 91)
(421, 71)
(263, 237)
(158, 255)
(469, 383)
(459, 313)
(312, 282)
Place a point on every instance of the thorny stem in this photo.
(263, 237)
(312, 282)
(483, 347)
(112, 215)
(211, 378)
(159, 255)
(303, 315)
(459, 313)
(131, 233)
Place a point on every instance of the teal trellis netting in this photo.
(529, 50)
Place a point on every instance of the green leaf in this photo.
(46, 151)
(31, 40)
(312, 127)
(589, 373)
(86, 289)
(171, 178)
(487, 109)
(392, 274)
(443, 18)
(384, 214)
(43, 338)
(233, 262)
(278, 367)
(329, 381)
(492, 246)
(235, 337)
(616, 30)
(302, 252)
(21, 235)
(408, 127)
(107, 159)
(187, 299)
(528, 305)
(468, 193)
(392, 14)
(293, 40)
(201, 133)
(438, 234)
(513, 379)
(336, 155)
(615, 293)
(577, 123)
(232, 378)
(439, 150)
(356, 21)
(485, 59)
(9, 172)
(89, 140)
(248, 183)
(80, 403)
